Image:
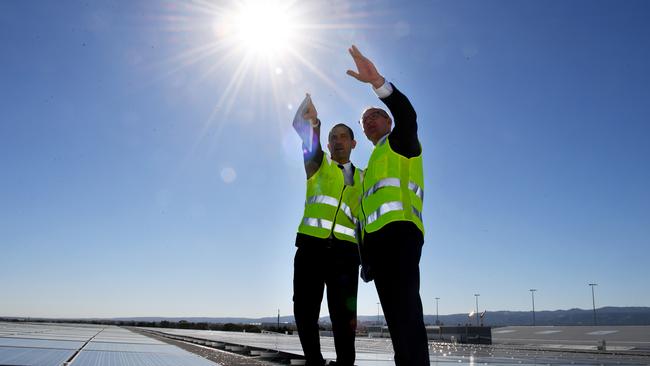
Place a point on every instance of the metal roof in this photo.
(96, 358)
(33, 356)
(622, 338)
(379, 351)
(94, 345)
(46, 344)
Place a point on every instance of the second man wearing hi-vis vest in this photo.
(393, 191)
(327, 243)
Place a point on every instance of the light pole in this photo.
(378, 307)
(532, 294)
(380, 325)
(437, 322)
(593, 299)
(477, 295)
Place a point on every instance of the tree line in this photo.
(182, 324)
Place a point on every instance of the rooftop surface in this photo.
(85, 345)
(378, 351)
(617, 338)
(47, 344)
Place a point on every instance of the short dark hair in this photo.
(342, 125)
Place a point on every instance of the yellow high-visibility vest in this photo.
(331, 207)
(393, 189)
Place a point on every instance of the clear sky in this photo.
(148, 166)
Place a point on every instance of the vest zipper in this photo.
(337, 211)
(363, 212)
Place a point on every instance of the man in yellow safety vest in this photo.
(327, 242)
(393, 233)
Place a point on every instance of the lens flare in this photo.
(263, 27)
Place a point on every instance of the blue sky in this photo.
(148, 166)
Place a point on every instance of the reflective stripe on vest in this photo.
(345, 231)
(326, 224)
(348, 212)
(328, 200)
(319, 223)
(394, 182)
(417, 190)
(384, 209)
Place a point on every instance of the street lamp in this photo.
(593, 299)
(477, 295)
(378, 307)
(437, 322)
(379, 324)
(532, 294)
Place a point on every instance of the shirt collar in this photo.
(382, 140)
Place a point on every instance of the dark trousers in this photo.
(393, 255)
(334, 264)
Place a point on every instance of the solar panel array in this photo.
(86, 345)
(618, 338)
(379, 352)
(93, 345)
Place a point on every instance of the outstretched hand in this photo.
(366, 70)
(310, 112)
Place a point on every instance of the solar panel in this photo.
(33, 356)
(39, 343)
(53, 344)
(94, 358)
(132, 347)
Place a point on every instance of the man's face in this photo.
(340, 144)
(376, 123)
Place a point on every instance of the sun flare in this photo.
(262, 50)
(263, 28)
(259, 28)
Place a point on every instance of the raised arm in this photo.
(403, 137)
(314, 157)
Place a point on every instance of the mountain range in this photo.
(604, 316)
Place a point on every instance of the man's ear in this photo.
(329, 148)
(354, 143)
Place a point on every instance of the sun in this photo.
(258, 49)
(263, 28)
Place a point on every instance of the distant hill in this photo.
(222, 320)
(604, 316)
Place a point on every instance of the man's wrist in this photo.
(383, 90)
(377, 83)
(315, 122)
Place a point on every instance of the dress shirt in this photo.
(348, 173)
(384, 90)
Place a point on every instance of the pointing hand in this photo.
(366, 70)
(310, 112)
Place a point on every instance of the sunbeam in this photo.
(255, 53)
